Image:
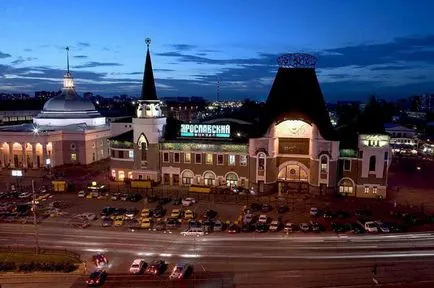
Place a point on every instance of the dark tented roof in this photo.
(124, 137)
(296, 94)
(148, 87)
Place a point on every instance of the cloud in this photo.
(28, 50)
(21, 60)
(80, 56)
(183, 47)
(4, 55)
(163, 70)
(135, 73)
(83, 44)
(93, 64)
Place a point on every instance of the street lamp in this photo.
(35, 222)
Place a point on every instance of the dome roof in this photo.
(68, 101)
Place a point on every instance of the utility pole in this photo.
(35, 222)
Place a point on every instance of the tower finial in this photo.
(148, 42)
(67, 60)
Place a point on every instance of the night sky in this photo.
(363, 47)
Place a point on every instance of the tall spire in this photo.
(68, 83)
(148, 87)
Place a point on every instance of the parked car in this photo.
(282, 209)
(181, 271)
(152, 199)
(160, 226)
(96, 278)
(234, 228)
(81, 194)
(156, 267)
(263, 219)
(304, 227)
(255, 207)
(145, 223)
(107, 211)
(159, 212)
(115, 196)
(131, 213)
(261, 227)
(356, 228)
(337, 227)
(208, 225)
(328, 214)
(188, 201)
(382, 227)
(370, 226)
(25, 195)
(218, 226)
(248, 227)
(210, 214)
(177, 201)
(107, 221)
(172, 223)
(248, 218)
(275, 226)
(118, 221)
(164, 200)
(176, 213)
(289, 227)
(134, 197)
(124, 197)
(146, 213)
(316, 227)
(396, 228)
(188, 214)
(138, 266)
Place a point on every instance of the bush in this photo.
(7, 266)
(38, 266)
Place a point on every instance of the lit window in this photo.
(243, 160)
(113, 173)
(176, 157)
(346, 186)
(231, 159)
(102, 152)
(324, 164)
(166, 157)
(121, 175)
(131, 153)
(187, 157)
(374, 190)
(130, 175)
(73, 156)
(198, 158)
(220, 159)
(366, 189)
(208, 158)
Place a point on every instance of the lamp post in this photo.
(35, 222)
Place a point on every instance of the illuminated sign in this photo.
(205, 130)
(17, 173)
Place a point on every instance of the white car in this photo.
(383, 227)
(304, 227)
(138, 266)
(274, 226)
(263, 219)
(188, 201)
(81, 194)
(87, 216)
(181, 271)
(370, 226)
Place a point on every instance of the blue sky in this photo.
(363, 47)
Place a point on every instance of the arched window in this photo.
(372, 163)
(261, 161)
(209, 178)
(143, 146)
(231, 179)
(187, 177)
(346, 186)
(324, 164)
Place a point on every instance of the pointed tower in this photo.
(149, 105)
(148, 127)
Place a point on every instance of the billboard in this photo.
(205, 130)
(298, 146)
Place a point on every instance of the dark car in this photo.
(134, 197)
(210, 214)
(172, 223)
(396, 228)
(156, 267)
(356, 228)
(316, 227)
(152, 199)
(282, 209)
(261, 228)
(160, 226)
(177, 201)
(208, 225)
(255, 207)
(119, 211)
(266, 207)
(124, 197)
(107, 221)
(234, 228)
(158, 212)
(164, 200)
(96, 278)
(194, 224)
(248, 228)
(337, 227)
(107, 211)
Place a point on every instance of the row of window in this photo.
(347, 187)
(208, 158)
(122, 154)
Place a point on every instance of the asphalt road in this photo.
(262, 260)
